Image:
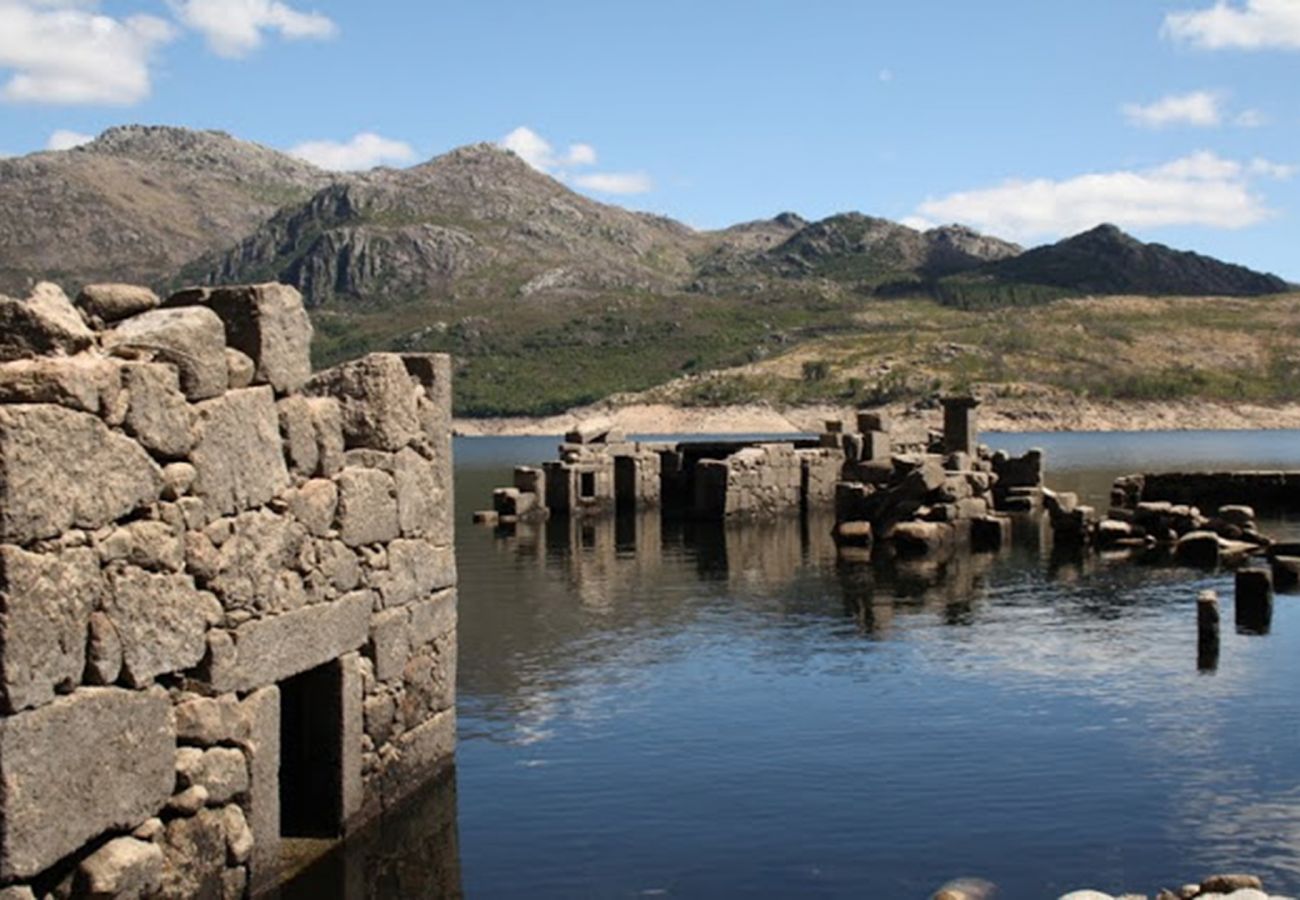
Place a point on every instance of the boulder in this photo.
(44, 324)
(192, 340)
(125, 867)
(103, 651)
(156, 413)
(161, 621)
(62, 789)
(416, 569)
(147, 543)
(921, 538)
(298, 431)
(1229, 882)
(237, 456)
(113, 302)
(854, 534)
(60, 468)
(378, 401)
(88, 383)
(240, 370)
(267, 323)
(424, 499)
(314, 504)
(209, 721)
(46, 600)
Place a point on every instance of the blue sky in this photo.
(1179, 121)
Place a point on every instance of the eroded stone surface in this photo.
(45, 323)
(124, 867)
(377, 399)
(367, 507)
(191, 339)
(161, 621)
(62, 789)
(112, 302)
(268, 323)
(83, 382)
(157, 414)
(237, 455)
(46, 601)
(60, 468)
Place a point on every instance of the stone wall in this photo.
(227, 589)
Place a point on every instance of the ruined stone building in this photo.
(227, 590)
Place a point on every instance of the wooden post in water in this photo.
(1207, 631)
(1254, 600)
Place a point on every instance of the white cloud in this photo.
(616, 182)
(539, 153)
(1203, 109)
(1200, 189)
(1256, 25)
(62, 139)
(234, 28)
(920, 223)
(364, 151)
(63, 51)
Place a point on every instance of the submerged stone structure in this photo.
(227, 590)
(918, 499)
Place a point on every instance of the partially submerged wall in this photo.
(227, 589)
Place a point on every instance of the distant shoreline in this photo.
(1013, 414)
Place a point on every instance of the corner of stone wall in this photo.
(189, 518)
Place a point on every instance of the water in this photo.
(661, 711)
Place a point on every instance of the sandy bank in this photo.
(1014, 414)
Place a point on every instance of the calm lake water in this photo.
(653, 710)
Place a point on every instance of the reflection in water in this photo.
(666, 708)
(410, 852)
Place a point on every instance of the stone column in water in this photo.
(959, 431)
(1254, 600)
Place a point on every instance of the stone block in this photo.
(237, 454)
(156, 413)
(420, 753)
(103, 651)
(87, 383)
(872, 420)
(208, 721)
(46, 600)
(327, 421)
(221, 771)
(192, 340)
(161, 621)
(389, 645)
(239, 837)
(262, 708)
(298, 431)
(272, 649)
(530, 480)
(338, 564)
(876, 446)
(424, 498)
(240, 369)
(246, 560)
(367, 507)
(147, 543)
(352, 724)
(416, 569)
(315, 503)
(114, 302)
(125, 867)
(62, 789)
(44, 324)
(60, 468)
(433, 618)
(378, 401)
(194, 858)
(268, 323)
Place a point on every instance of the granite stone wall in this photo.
(227, 589)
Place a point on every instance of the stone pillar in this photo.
(960, 434)
(1254, 600)
(1207, 631)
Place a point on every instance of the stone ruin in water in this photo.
(227, 589)
(914, 499)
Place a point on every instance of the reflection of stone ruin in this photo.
(227, 590)
(916, 499)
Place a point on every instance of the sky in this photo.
(1178, 120)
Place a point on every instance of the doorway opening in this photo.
(311, 753)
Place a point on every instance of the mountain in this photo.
(1105, 260)
(474, 222)
(137, 203)
(548, 299)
